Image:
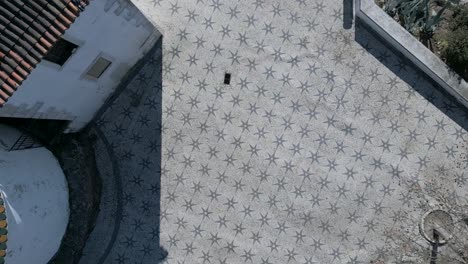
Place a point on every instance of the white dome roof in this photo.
(36, 198)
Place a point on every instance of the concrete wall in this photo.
(113, 29)
(374, 17)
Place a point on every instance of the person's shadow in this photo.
(348, 14)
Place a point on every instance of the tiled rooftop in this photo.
(3, 231)
(28, 30)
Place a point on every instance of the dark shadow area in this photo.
(409, 73)
(348, 14)
(75, 154)
(435, 248)
(127, 150)
(36, 132)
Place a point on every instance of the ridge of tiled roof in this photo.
(28, 30)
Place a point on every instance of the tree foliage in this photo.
(419, 16)
(454, 43)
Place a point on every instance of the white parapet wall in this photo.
(403, 41)
(113, 29)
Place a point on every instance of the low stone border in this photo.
(75, 154)
(374, 17)
(3, 230)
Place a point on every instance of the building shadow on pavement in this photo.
(127, 132)
(409, 73)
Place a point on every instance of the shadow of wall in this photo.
(409, 73)
(128, 155)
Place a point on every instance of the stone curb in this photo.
(404, 42)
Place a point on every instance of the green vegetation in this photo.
(420, 17)
(454, 43)
(423, 17)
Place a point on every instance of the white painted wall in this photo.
(36, 197)
(54, 92)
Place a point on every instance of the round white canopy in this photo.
(36, 197)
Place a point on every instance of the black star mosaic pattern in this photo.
(325, 148)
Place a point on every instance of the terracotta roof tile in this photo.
(28, 30)
(3, 229)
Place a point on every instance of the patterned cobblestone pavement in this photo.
(325, 148)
